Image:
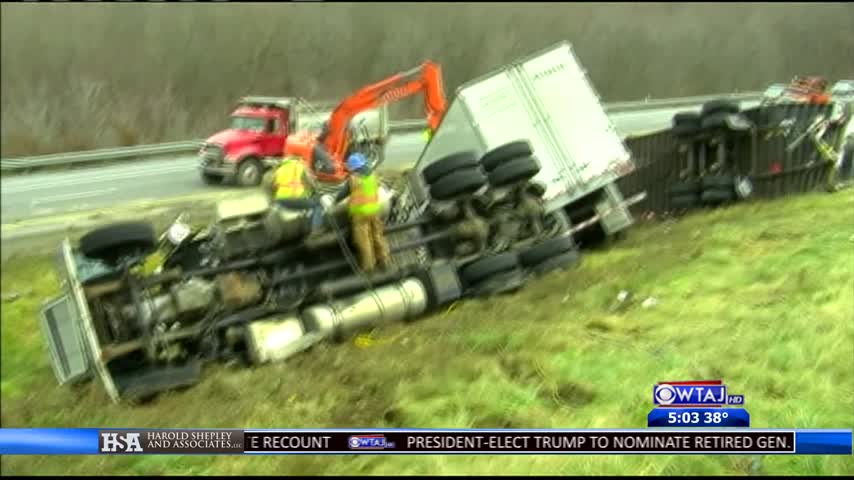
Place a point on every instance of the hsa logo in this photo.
(120, 442)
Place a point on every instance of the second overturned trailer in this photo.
(494, 199)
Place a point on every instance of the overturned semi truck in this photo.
(525, 158)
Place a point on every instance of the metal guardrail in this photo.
(174, 148)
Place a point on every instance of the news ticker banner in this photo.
(90, 441)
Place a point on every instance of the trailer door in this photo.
(578, 123)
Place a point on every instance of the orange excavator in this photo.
(331, 147)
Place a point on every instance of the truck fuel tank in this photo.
(275, 339)
(390, 303)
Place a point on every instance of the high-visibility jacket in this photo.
(290, 180)
(364, 195)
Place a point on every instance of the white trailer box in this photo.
(547, 100)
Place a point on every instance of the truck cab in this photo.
(255, 138)
(256, 134)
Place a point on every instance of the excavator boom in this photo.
(335, 141)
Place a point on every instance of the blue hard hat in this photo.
(357, 161)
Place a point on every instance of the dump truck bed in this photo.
(547, 99)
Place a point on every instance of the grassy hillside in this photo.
(78, 76)
(758, 295)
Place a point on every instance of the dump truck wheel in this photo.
(517, 170)
(720, 106)
(483, 268)
(249, 173)
(684, 188)
(451, 163)
(495, 157)
(684, 202)
(563, 261)
(545, 250)
(718, 182)
(117, 241)
(462, 182)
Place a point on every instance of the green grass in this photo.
(759, 295)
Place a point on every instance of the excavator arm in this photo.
(335, 140)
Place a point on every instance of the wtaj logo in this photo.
(120, 443)
(705, 393)
(369, 442)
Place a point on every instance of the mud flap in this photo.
(614, 217)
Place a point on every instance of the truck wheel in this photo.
(112, 243)
(448, 164)
(462, 182)
(211, 179)
(720, 106)
(545, 250)
(514, 171)
(686, 118)
(718, 182)
(686, 124)
(717, 196)
(249, 173)
(495, 157)
(483, 268)
(715, 120)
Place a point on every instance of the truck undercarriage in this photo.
(258, 286)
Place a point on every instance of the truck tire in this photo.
(448, 164)
(686, 118)
(715, 121)
(113, 242)
(516, 170)
(458, 183)
(545, 250)
(498, 155)
(720, 106)
(483, 268)
(718, 182)
(717, 196)
(250, 172)
(686, 124)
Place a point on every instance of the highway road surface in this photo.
(58, 192)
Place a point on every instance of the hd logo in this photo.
(120, 442)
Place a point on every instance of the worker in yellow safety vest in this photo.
(364, 207)
(294, 188)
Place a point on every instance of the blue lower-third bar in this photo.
(48, 441)
(823, 442)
